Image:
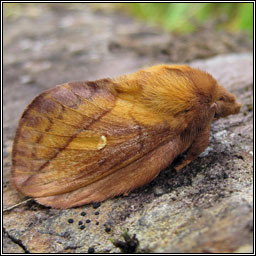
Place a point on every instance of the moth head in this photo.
(226, 104)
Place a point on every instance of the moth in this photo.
(84, 142)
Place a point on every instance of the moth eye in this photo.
(229, 99)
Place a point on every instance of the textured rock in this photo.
(206, 208)
(10, 245)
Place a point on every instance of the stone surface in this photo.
(10, 245)
(206, 208)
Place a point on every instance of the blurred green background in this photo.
(184, 17)
(178, 17)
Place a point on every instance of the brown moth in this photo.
(84, 142)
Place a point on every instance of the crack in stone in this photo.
(16, 241)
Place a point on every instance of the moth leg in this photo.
(197, 147)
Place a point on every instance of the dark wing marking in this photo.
(76, 136)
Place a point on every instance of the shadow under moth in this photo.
(83, 142)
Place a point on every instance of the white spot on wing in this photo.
(102, 142)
